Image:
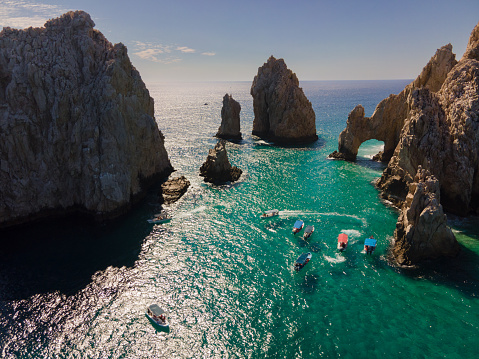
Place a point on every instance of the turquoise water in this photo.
(224, 275)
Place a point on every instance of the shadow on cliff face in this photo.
(62, 255)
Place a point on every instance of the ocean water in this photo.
(226, 278)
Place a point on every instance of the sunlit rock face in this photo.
(421, 230)
(77, 126)
(390, 114)
(230, 119)
(282, 113)
(217, 168)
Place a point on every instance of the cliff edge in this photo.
(77, 126)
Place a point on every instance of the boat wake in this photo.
(337, 259)
(322, 214)
(190, 213)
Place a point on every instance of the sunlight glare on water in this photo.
(225, 276)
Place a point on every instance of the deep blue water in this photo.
(224, 275)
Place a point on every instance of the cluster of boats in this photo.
(303, 259)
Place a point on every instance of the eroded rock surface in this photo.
(230, 119)
(77, 126)
(390, 114)
(422, 231)
(217, 168)
(173, 189)
(282, 113)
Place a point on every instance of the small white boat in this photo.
(302, 260)
(308, 231)
(160, 218)
(270, 213)
(157, 317)
(298, 225)
(342, 241)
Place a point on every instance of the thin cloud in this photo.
(185, 49)
(154, 52)
(24, 13)
(208, 53)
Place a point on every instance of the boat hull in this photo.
(159, 327)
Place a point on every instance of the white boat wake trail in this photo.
(337, 259)
(321, 214)
(193, 211)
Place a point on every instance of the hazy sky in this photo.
(198, 40)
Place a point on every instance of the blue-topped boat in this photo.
(302, 260)
(298, 225)
(370, 245)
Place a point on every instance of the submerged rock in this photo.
(77, 126)
(282, 113)
(217, 168)
(173, 189)
(421, 230)
(230, 119)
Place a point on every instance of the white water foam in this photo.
(337, 259)
(323, 214)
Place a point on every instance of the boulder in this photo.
(217, 168)
(282, 113)
(173, 189)
(77, 126)
(230, 119)
(421, 230)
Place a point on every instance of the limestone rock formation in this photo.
(77, 126)
(390, 114)
(282, 113)
(432, 124)
(230, 119)
(217, 168)
(173, 189)
(421, 231)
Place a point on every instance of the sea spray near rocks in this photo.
(77, 126)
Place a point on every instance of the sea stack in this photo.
(421, 230)
(217, 168)
(282, 113)
(230, 119)
(77, 126)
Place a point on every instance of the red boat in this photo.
(342, 241)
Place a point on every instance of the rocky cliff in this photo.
(433, 124)
(77, 126)
(217, 168)
(282, 113)
(230, 119)
(421, 230)
(390, 114)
